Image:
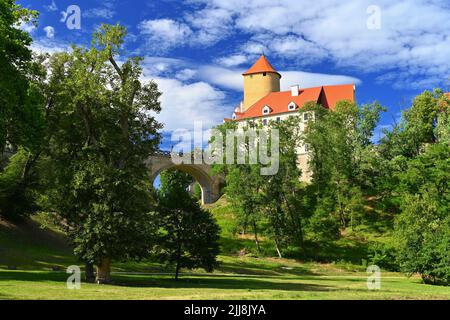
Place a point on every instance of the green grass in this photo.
(36, 251)
(52, 285)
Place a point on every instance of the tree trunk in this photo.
(177, 270)
(89, 272)
(277, 247)
(255, 230)
(104, 271)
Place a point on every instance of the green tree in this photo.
(101, 131)
(22, 112)
(423, 226)
(341, 153)
(419, 125)
(18, 113)
(190, 234)
(284, 194)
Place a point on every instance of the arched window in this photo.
(292, 106)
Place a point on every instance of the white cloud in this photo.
(309, 79)
(27, 26)
(411, 48)
(49, 32)
(49, 46)
(185, 98)
(183, 103)
(163, 34)
(210, 25)
(232, 78)
(222, 77)
(233, 60)
(186, 74)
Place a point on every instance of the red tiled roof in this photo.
(327, 96)
(260, 66)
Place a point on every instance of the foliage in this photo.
(22, 123)
(424, 223)
(16, 196)
(189, 234)
(341, 159)
(101, 131)
(384, 256)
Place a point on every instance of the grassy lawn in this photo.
(273, 285)
(36, 251)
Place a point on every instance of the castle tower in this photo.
(260, 80)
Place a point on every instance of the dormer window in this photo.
(266, 110)
(292, 106)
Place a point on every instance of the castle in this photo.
(263, 101)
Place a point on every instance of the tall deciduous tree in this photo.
(101, 131)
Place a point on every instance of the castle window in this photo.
(305, 116)
(266, 110)
(264, 74)
(292, 106)
(264, 122)
(278, 119)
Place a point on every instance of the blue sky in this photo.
(196, 50)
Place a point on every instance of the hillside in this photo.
(37, 250)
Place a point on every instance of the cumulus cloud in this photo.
(184, 103)
(412, 41)
(185, 97)
(163, 34)
(233, 60)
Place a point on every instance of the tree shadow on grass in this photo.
(220, 282)
(263, 270)
(213, 281)
(33, 276)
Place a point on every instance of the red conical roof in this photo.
(260, 66)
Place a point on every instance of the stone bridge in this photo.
(209, 184)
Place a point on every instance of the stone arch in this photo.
(209, 184)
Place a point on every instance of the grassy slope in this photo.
(239, 277)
